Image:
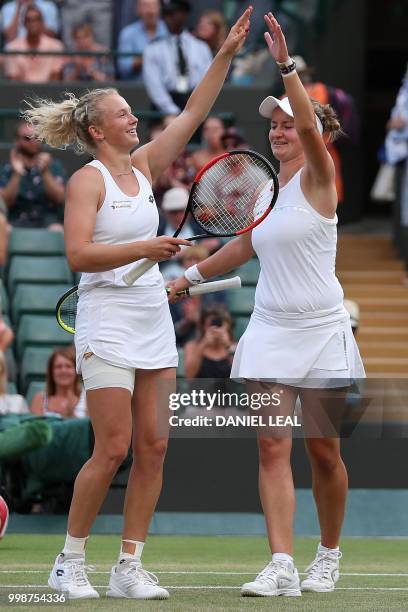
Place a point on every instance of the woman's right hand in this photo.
(163, 247)
(175, 286)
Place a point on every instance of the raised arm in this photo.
(160, 153)
(319, 165)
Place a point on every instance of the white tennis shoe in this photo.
(277, 578)
(323, 572)
(129, 579)
(69, 576)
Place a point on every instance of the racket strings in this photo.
(68, 310)
(232, 194)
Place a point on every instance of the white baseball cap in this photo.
(175, 199)
(270, 103)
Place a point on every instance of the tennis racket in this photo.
(230, 196)
(66, 308)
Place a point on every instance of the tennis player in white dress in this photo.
(299, 337)
(125, 337)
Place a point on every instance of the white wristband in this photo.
(193, 275)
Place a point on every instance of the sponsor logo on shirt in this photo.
(151, 199)
(116, 204)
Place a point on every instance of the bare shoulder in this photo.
(86, 181)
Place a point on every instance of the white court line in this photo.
(202, 587)
(185, 573)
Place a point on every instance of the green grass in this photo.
(206, 562)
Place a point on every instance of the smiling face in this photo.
(117, 125)
(284, 139)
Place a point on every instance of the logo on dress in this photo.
(121, 204)
(151, 199)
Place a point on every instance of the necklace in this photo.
(124, 173)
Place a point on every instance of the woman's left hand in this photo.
(237, 35)
(275, 39)
(173, 287)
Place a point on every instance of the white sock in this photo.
(323, 549)
(74, 545)
(283, 557)
(137, 555)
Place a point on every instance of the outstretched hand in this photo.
(275, 39)
(238, 33)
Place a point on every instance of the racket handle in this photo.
(137, 271)
(228, 283)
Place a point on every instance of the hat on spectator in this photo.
(170, 6)
(354, 311)
(175, 199)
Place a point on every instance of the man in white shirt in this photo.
(175, 64)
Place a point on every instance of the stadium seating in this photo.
(4, 302)
(241, 301)
(35, 242)
(33, 366)
(36, 299)
(11, 388)
(241, 323)
(249, 272)
(40, 330)
(38, 270)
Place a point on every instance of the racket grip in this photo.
(228, 283)
(137, 271)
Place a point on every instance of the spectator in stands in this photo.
(12, 18)
(345, 109)
(32, 184)
(396, 146)
(210, 354)
(175, 64)
(87, 68)
(233, 139)
(212, 29)
(34, 68)
(213, 131)
(96, 12)
(9, 403)
(63, 393)
(135, 37)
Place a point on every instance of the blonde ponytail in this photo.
(61, 124)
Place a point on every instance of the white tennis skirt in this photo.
(127, 327)
(304, 349)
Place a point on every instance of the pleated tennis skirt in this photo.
(309, 350)
(127, 327)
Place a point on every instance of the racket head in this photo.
(66, 308)
(233, 193)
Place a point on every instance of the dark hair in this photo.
(216, 311)
(329, 119)
(33, 9)
(68, 353)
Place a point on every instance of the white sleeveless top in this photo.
(120, 220)
(296, 247)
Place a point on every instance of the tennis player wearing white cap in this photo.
(299, 332)
(124, 336)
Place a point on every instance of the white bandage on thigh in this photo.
(98, 374)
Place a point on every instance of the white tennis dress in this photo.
(299, 332)
(125, 326)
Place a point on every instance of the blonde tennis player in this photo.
(124, 336)
(299, 333)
